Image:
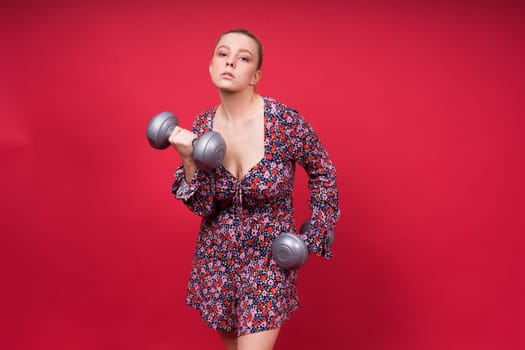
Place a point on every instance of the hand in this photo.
(182, 140)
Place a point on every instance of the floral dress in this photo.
(234, 283)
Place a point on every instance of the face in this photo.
(233, 66)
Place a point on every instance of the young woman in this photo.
(246, 202)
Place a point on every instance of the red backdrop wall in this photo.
(419, 105)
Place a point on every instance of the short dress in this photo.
(234, 282)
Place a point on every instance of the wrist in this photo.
(188, 162)
(190, 169)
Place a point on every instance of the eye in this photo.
(244, 59)
(221, 54)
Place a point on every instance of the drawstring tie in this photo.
(238, 199)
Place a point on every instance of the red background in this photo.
(420, 106)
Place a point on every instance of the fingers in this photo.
(181, 136)
(182, 140)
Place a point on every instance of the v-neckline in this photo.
(265, 143)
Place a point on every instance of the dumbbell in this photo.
(290, 252)
(208, 150)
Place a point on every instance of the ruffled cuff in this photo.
(317, 242)
(180, 188)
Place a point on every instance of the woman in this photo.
(247, 201)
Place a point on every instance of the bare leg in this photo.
(229, 339)
(258, 341)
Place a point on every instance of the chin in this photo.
(229, 89)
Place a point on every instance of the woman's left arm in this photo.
(309, 152)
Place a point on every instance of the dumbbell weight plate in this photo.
(289, 251)
(160, 128)
(209, 150)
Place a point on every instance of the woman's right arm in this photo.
(191, 185)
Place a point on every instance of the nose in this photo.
(229, 64)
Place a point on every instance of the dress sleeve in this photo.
(309, 152)
(198, 194)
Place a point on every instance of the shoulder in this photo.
(204, 120)
(280, 111)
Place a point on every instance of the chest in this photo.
(244, 145)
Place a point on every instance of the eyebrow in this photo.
(240, 50)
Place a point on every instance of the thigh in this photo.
(267, 297)
(229, 340)
(264, 340)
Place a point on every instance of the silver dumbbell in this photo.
(208, 150)
(290, 252)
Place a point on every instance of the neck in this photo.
(237, 105)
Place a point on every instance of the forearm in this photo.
(189, 169)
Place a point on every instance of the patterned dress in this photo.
(234, 283)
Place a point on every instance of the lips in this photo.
(227, 75)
